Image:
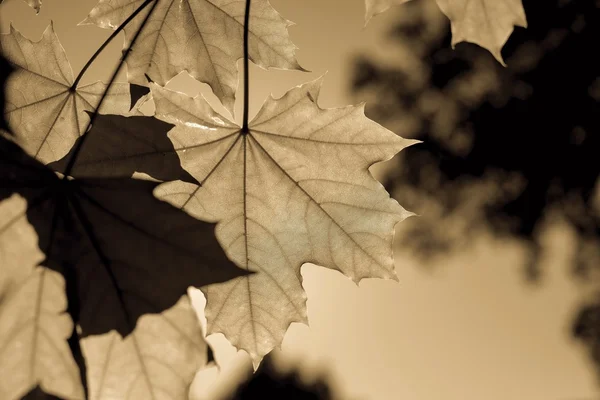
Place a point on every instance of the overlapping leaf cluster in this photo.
(95, 265)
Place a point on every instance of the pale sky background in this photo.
(470, 330)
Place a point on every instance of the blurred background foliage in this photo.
(505, 149)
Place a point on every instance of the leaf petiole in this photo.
(246, 73)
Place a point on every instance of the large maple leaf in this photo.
(293, 189)
(487, 23)
(214, 29)
(44, 111)
(127, 260)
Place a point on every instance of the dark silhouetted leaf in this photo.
(136, 93)
(118, 146)
(38, 394)
(35, 4)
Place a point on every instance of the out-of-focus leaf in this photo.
(294, 189)
(42, 110)
(487, 23)
(212, 28)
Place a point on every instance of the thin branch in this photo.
(79, 144)
(246, 73)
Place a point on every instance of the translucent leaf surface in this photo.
(42, 110)
(158, 360)
(202, 37)
(294, 189)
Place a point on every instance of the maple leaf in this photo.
(293, 189)
(487, 23)
(44, 111)
(124, 254)
(212, 28)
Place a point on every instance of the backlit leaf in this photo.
(35, 328)
(202, 37)
(44, 113)
(125, 254)
(487, 23)
(294, 189)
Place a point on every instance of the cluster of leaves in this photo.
(95, 264)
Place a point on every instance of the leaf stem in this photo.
(246, 72)
(80, 143)
(106, 42)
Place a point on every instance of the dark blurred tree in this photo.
(5, 70)
(530, 130)
(504, 148)
(587, 329)
(270, 383)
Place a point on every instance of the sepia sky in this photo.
(470, 328)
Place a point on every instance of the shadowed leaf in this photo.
(125, 254)
(487, 23)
